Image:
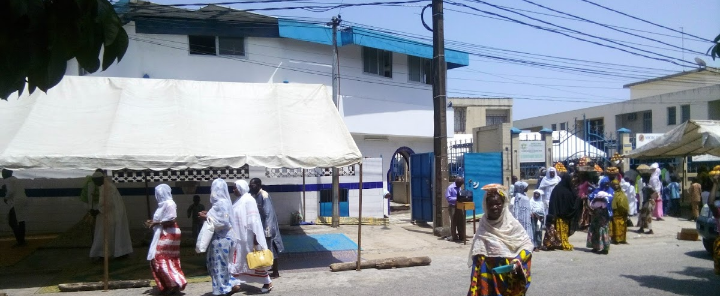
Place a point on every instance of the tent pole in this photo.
(303, 209)
(106, 237)
(360, 216)
(147, 195)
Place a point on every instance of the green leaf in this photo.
(115, 51)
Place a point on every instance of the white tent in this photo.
(566, 145)
(116, 123)
(694, 137)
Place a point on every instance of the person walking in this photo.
(112, 208)
(250, 235)
(538, 218)
(562, 210)
(598, 237)
(500, 240)
(192, 212)
(674, 196)
(269, 222)
(17, 200)
(656, 184)
(222, 243)
(457, 218)
(646, 217)
(164, 251)
(522, 210)
(620, 208)
(547, 185)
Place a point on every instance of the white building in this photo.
(655, 106)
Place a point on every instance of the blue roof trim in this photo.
(323, 35)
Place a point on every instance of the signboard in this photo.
(642, 139)
(706, 157)
(532, 151)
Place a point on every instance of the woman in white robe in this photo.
(249, 231)
(119, 240)
(547, 185)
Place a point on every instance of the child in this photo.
(538, 218)
(674, 196)
(192, 212)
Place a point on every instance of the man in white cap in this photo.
(119, 241)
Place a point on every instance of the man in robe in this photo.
(269, 222)
(16, 198)
(119, 241)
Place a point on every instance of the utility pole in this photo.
(336, 99)
(439, 106)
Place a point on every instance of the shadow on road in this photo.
(700, 254)
(703, 281)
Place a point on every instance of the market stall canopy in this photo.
(694, 137)
(125, 123)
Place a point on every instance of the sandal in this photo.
(266, 288)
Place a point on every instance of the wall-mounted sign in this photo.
(532, 151)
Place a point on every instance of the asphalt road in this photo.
(650, 265)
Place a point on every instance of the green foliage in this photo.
(38, 37)
(714, 50)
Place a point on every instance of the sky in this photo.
(497, 45)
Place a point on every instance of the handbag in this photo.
(204, 237)
(260, 259)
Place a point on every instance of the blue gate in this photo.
(481, 169)
(421, 172)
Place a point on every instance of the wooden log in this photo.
(404, 262)
(353, 265)
(93, 286)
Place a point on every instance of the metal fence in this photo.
(456, 153)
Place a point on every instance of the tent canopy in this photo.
(126, 123)
(694, 137)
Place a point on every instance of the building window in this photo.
(553, 126)
(420, 70)
(647, 122)
(562, 126)
(684, 113)
(495, 119)
(202, 45)
(460, 113)
(672, 113)
(212, 45)
(234, 46)
(377, 61)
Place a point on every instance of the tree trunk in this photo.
(92, 286)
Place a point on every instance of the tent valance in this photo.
(694, 137)
(126, 123)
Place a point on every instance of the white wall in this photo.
(386, 149)
(371, 104)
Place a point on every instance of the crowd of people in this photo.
(599, 202)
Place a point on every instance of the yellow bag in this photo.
(260, 259)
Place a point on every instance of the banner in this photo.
(642, 139)
(532, 151)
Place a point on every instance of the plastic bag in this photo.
(204, 237)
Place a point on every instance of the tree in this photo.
(714, 50)
(38, 37)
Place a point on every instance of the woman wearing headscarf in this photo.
(656, 184)
(645, 218)
(562, 212)
(222, 244)
(164, 252)
(620, 208)
(538, 218)
(628, 188)
(598, 234)
(500, 240)
(548, 184)
(583, 193)
(249, 233)
(521, 210)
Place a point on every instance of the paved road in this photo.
(650, 265)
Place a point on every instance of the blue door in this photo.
(482, 169)
(421, 172)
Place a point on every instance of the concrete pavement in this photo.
(650, 265)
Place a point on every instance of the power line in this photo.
(646, 21)
(611, 28)
(668, 59)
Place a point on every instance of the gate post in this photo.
(625, 146)
(515, 156)
(547, 137)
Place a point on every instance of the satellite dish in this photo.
(700, 62)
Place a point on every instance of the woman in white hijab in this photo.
(548, 184)
(656, 184)
(248, 228)
(500, 241)
(222, 244)
(164, 252)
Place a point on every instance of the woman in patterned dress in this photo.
(599, 232)
(500, 240)
(222, 243)
(164, 252)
